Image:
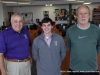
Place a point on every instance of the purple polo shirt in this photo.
(15, 45)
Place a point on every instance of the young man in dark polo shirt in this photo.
(48, 50)
(14, 48)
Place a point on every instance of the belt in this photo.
(15, 60)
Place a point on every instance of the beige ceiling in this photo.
(54, 2)
(15, 0)
(51, 0)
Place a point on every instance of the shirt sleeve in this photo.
(98, 42)
(35, 50)
(2, 44)
(68, 40)
(63, 49)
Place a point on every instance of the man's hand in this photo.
(31, 61)
(3, 72)
(2, 65)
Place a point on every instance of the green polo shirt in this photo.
(84, 45)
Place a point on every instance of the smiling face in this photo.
(17, 23)
(83, 15)
(47, 27)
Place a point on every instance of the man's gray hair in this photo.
(82, 6)
(15, 14)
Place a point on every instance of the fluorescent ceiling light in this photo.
(48, 4)
(71, 0)
(24, 3)
(86, 3)
(80, 0)
(8, 2)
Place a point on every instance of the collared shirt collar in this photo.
(83, 28)
(42, 35)
(47, 37)
(15, 31)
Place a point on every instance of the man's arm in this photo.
(63, 49)
(35, 50)
(2, 51)
(2, 66)
(98, 42)
(31, 59)
(68, 41)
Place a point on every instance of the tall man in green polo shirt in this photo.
(83, 41)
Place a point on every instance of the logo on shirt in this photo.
(81, 37)
(25, 36)
(55, 42)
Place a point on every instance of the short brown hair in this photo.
(46, 20)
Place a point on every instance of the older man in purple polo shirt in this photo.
(14, 49)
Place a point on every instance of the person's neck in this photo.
(83, 25)
(47, 35)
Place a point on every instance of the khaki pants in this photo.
(18, 68)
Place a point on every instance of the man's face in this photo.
(83, 15)
(17, 23)
(47, 27)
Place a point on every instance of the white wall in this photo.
(4, 13)
(1, 15)
(38, 10)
